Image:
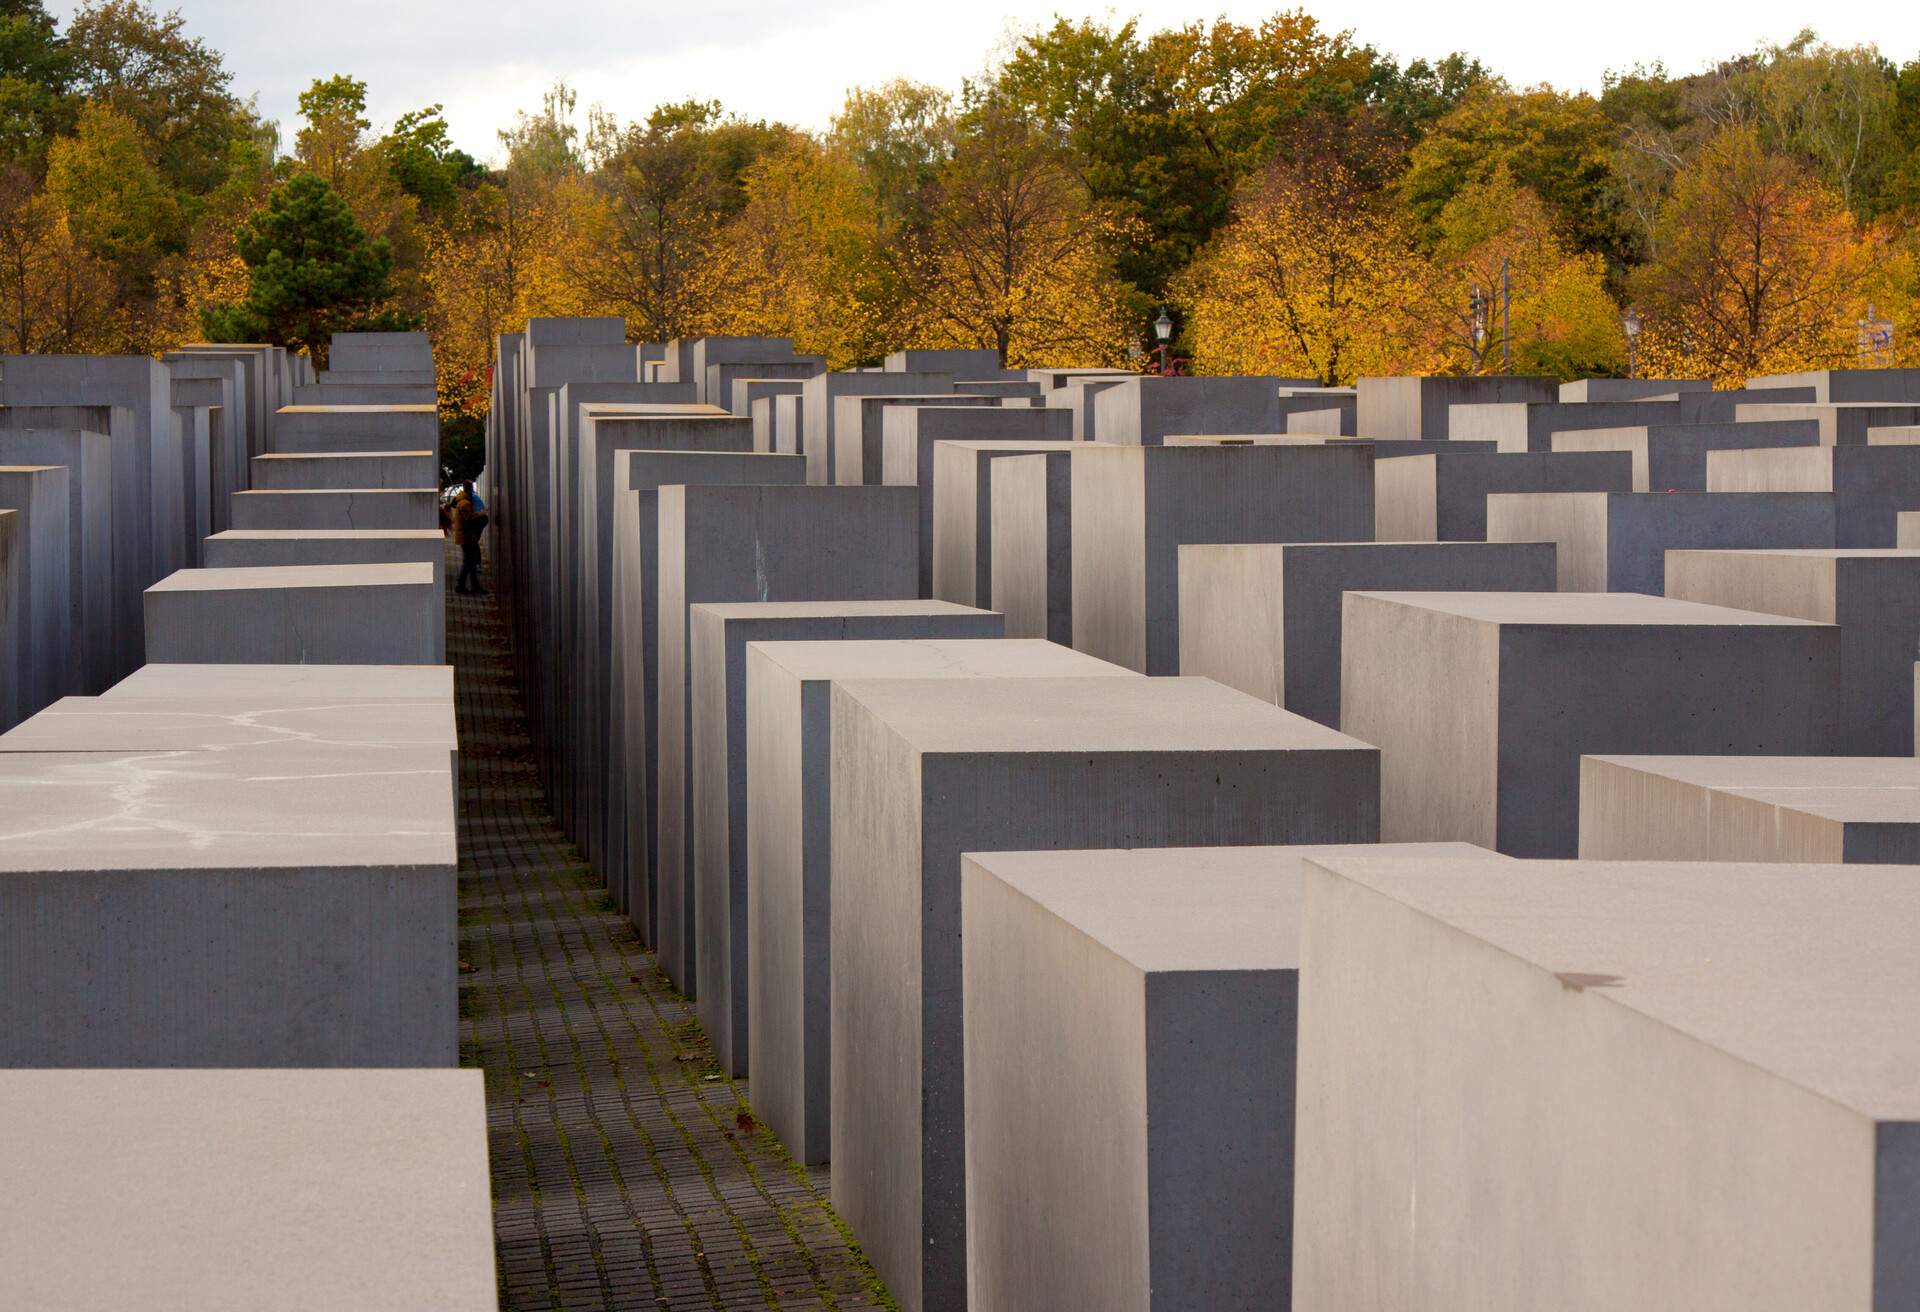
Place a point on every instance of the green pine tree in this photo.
(313, 273)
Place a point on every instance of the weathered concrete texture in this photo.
(87, 458)
(192, 1173)
(924, 770)
(1019, 392)
(961, 493)
(1750, 808)
(1383, 449)
(1328, 411)
(1134, 507)
(1618, 541)
(221, 381)
(270, 682)
(1512, 688)
(720, 767)
(1265, 618)
(722, 382)
(193, 432)
(395, 469)
(1530, 425)
(1840, 424)
(43, 574)
(297, 615)
(208, 723)
(1161, 988)
(909, 435)
(1630, 389)
(1530, 1053)
(751, 544)
(711, 351)
(1443, 497)
(969, 363)
(1030, 580)
(268, 905)
(1874, 596)
(381, 353)
(1142, 411)
(630, 667)
(352, 388)
(818, 412)
(226, 459)
(259, 380)
(1838, 386)
(1053, 380)
(789, 420)
(1419, 407)
(256, 548)
(790, 852)
(1872, 484)
(859, 441)
(1673, 457)
(376, 507)
(318, 429)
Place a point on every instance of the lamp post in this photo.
(1477, 307)
(1630, 324)
(1163, 330)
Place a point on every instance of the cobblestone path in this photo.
(627, 1171)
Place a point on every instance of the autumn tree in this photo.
(1759, 268)
(312, 273)
(1496, 235)
(54, 295)
(1317, 276)
(1018, 258)
(36, 74)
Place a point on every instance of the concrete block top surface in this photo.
(928, 658)
(783, 610)
(1845, 789)
(358, 409)
(274, 807)
(269, 682)
(118, 724)
(270, 577)
(1804, 971)
(231, 1190)
(330, 534)
(1187, 908)
(1557, 609)
(1086, 715)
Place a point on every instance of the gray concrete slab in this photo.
(1827, 809)
(87, 458)
(191, 1172)
(1420, 407)
(193, 432)
(1673, 457)
(1848, 385)
(296, 615)
(13, 602)
(909, 435)
(971, 363)
(1141, 411)
(790, 851)
(721, 381)
(720, 766)
(1618, 541)
(1265, 618)
(1630, 389)
(272, 905)
(1530, 1052)
(396, 469)
(1076, 398)
(751, 544)
(1443, 497)
(1840, 423)
(43, 574)
(924, 770)
(818, 412)
(859, 442)
(1161, 987)
(961, 493)
(1134, 507)
(338, 508)
(1031, 533)
(270, 682)
(1874, 598)
(1872, 484)
(317, 429)
(1530, 425)
(1514, 687)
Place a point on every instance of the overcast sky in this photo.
(485, 59)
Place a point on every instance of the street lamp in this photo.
(1630, 324)
(1163, 329)
(1477, 306)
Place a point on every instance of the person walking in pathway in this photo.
(468, 521)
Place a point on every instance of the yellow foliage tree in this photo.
(55, 296)
(1315, 277)
(1759, 269)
